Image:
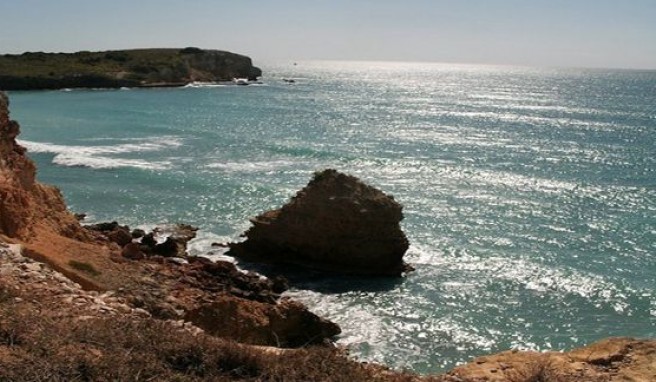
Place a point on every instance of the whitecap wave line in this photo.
(101, 162)
(101, 157)
(250, 167)
(199, 84)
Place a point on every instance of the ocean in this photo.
(529, 193)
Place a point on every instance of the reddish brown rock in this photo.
(26, 205)
(133, 251)
(285, 324)
(611, 359)
(336, 223)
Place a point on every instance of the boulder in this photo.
(177, 237)
(287, 324)
(133, 251)
(336, 223)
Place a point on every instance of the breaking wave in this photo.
(107, 156)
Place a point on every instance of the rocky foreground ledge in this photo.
(122, 68)
(73, 306)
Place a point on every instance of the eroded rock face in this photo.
(226, 302)
(336, 223)
(26, 204)
(286, 324)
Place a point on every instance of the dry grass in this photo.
(542, 370)
(34, 347)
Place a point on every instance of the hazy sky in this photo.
(590, 33)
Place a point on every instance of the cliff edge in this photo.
(26, 205)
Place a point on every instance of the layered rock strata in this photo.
(336, 223)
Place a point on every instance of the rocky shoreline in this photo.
(108, 290)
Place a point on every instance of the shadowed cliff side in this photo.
(122, 68)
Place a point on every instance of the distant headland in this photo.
(122, 68)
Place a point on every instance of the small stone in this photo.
(141, 312)
(34, 267)
(133, 251)
(105, 309)
(123, 308)
(177, 260)
(61, 278)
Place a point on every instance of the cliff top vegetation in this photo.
(135, 67)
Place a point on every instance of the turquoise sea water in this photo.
(529, 194)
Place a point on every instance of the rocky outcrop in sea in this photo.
(336, 223)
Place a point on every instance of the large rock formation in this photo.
(119, 68)
(336, 223)
(25, 204)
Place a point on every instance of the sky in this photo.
(564, 33)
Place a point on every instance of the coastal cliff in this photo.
(122, 68)
(26, 205)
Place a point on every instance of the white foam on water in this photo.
(105, 157)
(249, 167)
(199, 84)
(364, 326)
(544, 279)
(201, 245)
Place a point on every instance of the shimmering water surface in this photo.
(529, 194)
